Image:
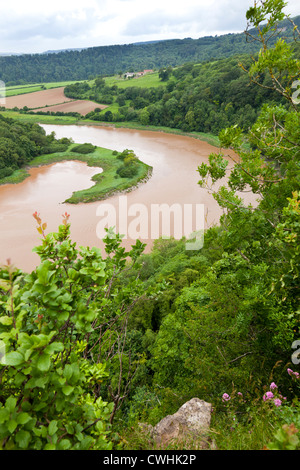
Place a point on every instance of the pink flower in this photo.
(277, 402)
(267, 396)
(273, 386)
(291, 372)
(225, 397)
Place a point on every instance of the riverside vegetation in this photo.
(95, 344)
(24, 145)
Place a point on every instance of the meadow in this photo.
(30, 88)
(146, 81)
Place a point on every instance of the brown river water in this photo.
(174, 159)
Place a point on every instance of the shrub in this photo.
(49, 325)
(128, 171)
(84, 148)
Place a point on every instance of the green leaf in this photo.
(54, 347)
(13, 359)
(4, 415)
(23, 439)
(39, 382)
(43, 363)
(6, 320)
(52, 428)
(68, 371)
(10, 404)
(72, 273)
(50, 447)
(11, 425)
(67, 389)
(64, 444)
(23, 418)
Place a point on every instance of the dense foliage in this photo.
(64, 329)
(108, 60)
(196, 97)
(230, 316)
(95, 345)
(21, 142)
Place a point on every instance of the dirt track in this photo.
(37, 99)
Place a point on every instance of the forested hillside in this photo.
(108, 60)
(98, 343)
(21, 142)
(193, 97)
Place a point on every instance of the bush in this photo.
(84, 148)
(128, 171)
(49, 324)
(6, 172)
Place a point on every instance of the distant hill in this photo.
(54, 51)
(108, 60)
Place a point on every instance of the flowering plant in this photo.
(274, 395)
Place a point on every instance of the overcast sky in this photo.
(35, 26)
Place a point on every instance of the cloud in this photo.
(207, 18)
(54, 26)
(35, 26)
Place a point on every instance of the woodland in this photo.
(108, 60)
(97, 343)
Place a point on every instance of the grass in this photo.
(43, 119)
(147, 81)
(14, 91)
(259, 426)
(105, 184)
(17, 177)
(255, 435)
(30, 88)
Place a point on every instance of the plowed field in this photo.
(79, 106)
(52, 100)
(37, 99)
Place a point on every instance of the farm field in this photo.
(50, 97)
(147, 81)
(37, 99)
(20, 90)
(32, 87)
(52, 100)
(78, 106)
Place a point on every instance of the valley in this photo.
(149, 243)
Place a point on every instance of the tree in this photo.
(164, 74)
(66, 371)
(270, 168)
(144, 117)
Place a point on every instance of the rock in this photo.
(187, 428)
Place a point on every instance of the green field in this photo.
(43, 119)
(147, 81)
(30, 88)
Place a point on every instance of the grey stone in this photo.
(187, 428)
